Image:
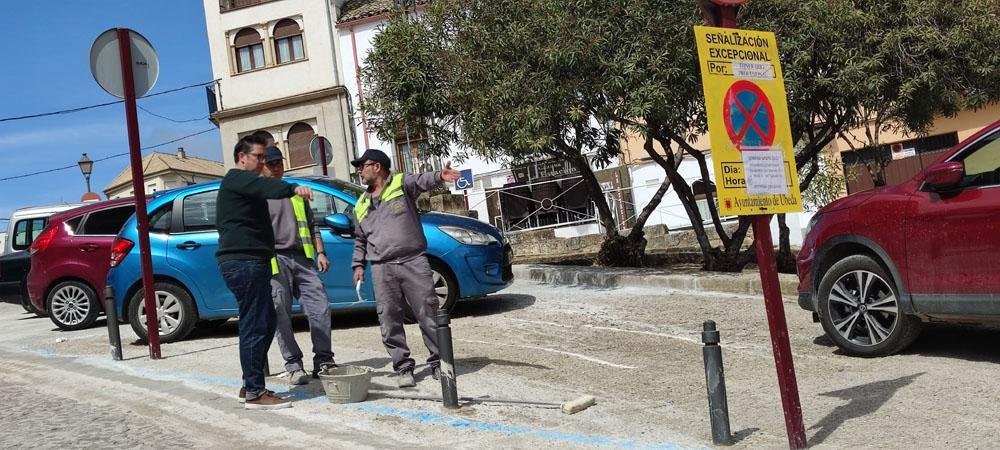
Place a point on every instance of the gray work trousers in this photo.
(298, 277)
(409, 281)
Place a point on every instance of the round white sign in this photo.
(314, 149)
(105, 63)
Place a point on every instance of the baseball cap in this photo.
(272, 154)
(372, 155)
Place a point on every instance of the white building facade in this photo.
(278, 71)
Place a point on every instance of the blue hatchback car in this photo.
(469, 258)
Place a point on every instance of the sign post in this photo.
(125, 65)
(464, 182)
(318, 147)
(753, 156)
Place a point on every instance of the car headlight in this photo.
(812, 222)
(468, 236)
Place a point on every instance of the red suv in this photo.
(70, 261)
(875, 265)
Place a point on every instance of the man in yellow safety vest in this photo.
(299, 257)
(389, 236)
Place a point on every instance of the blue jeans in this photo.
(250, 282)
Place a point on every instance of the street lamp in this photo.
(86, 166)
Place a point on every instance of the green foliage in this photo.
(829, 183)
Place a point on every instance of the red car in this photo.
(876, 265)
(70, 261)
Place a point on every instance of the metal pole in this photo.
(779, 332)
(111, 314)
(715, 380)
(322, 154)
(449, 388)
(138, 186)
(88, 182)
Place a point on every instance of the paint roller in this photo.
(571, 407)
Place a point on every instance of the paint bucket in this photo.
(346, 384)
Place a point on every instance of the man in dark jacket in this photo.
(246, 246)
(389, 235)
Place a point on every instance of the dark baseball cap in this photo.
(373, 155)
(272, 154)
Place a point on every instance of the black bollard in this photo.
(111, 314)
(449, 388)
(718, 409)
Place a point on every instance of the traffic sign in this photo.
(106, 66)
(464, 180)
(748, 116)
(320, 150)
(752, 149)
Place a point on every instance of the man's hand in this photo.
(449, 174)
(305, 192)
(322, 263)
(359, 275)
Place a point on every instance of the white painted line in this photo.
(551, 350)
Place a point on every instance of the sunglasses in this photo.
(259, 156)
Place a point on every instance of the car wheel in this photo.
(72, 305)
(445, 286)
(174, 310)
(26, 302)
(859, 309)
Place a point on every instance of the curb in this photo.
(747, 283)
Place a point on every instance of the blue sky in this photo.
(47, 69)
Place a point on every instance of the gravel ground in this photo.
(637, 350)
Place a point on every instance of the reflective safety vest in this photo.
(299, 207)
(389, 191)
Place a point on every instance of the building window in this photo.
(288, 41)
(299, 136)
(249, 50)
(412, 157)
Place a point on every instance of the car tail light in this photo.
(43, 240)
(119, 249)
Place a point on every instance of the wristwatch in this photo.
(321, 252)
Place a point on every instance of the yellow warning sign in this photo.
(752, 148)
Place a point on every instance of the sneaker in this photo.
(298, 378)
(267, 401)
(243, 395)
(436, 373)
(322, 367)
(406, 379)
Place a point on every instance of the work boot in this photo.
(267, 401)
(322, 368)
(298, 378)
(436, 373)
(405, 379)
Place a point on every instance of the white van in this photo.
(26, 223)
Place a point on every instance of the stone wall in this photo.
(542, 246)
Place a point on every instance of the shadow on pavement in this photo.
(472, 365)
(861, 401)
(492, 304)
(743, 434)
(977, 343)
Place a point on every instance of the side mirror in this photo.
(339, 223)
(944, 176)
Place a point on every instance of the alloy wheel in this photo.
(169, 312)
(863, 308)
(440, 287)
(70, 305)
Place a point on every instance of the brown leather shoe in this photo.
(243, 395)
(267, 401)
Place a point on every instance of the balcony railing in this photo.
(229, 5)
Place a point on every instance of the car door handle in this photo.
(87, 247)
(189, 245)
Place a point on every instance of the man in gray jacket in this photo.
(299, 254)
(390, 237)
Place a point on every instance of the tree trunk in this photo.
(785, 258)
(622, 251)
